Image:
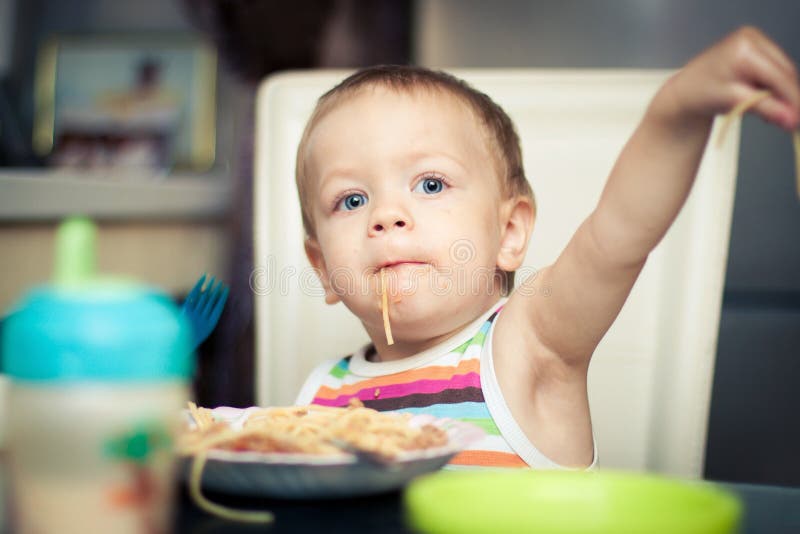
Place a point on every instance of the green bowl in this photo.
(567, 502)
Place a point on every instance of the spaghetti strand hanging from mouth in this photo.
(385, 309)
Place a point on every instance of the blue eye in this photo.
(351, 202)
(430, 186)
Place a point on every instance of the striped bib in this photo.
(444, 382)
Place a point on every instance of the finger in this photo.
(777, 112)
(791, 86)
(760, 70)
(764, 104)
(744, 99)
(749, 40)
(776, 55)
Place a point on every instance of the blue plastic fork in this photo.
(203, 307)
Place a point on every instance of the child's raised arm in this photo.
(646, 189)
(546, 335)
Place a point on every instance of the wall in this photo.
(168, 250)
(168, 254)
(753, 434)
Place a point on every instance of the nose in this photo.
(388, 217)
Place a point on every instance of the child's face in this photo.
(405, 181)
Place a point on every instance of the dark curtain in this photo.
(256, 38)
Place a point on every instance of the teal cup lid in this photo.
(88, 328)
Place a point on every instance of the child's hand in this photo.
(730, 72)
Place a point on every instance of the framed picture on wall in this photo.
(133, 102)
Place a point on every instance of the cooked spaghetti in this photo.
(739, 110)
(385, 309)
(318, 430)
(312, 430)
(796, 139)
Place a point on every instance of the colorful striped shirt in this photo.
(455, 379)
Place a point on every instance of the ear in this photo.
(314, 255)
(516, 224)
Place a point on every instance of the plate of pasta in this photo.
(312, 452)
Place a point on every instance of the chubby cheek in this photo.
(473, 270)
(467, 237)
(337, 242)
(347, 279)
(342, 258)
(345, 272)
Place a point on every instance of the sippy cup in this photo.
(98, 373)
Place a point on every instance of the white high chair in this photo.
(650, 378)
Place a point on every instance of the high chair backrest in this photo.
(650, 378)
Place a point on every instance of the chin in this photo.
(421, 317)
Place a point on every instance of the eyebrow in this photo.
(350, 173)
(344, 173)
(420, 155)
(328, 187)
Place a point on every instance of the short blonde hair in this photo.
(503, 136)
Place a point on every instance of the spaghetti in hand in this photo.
(739, 110)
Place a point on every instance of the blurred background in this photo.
(141, 116)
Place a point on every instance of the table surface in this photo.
(767, 509)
